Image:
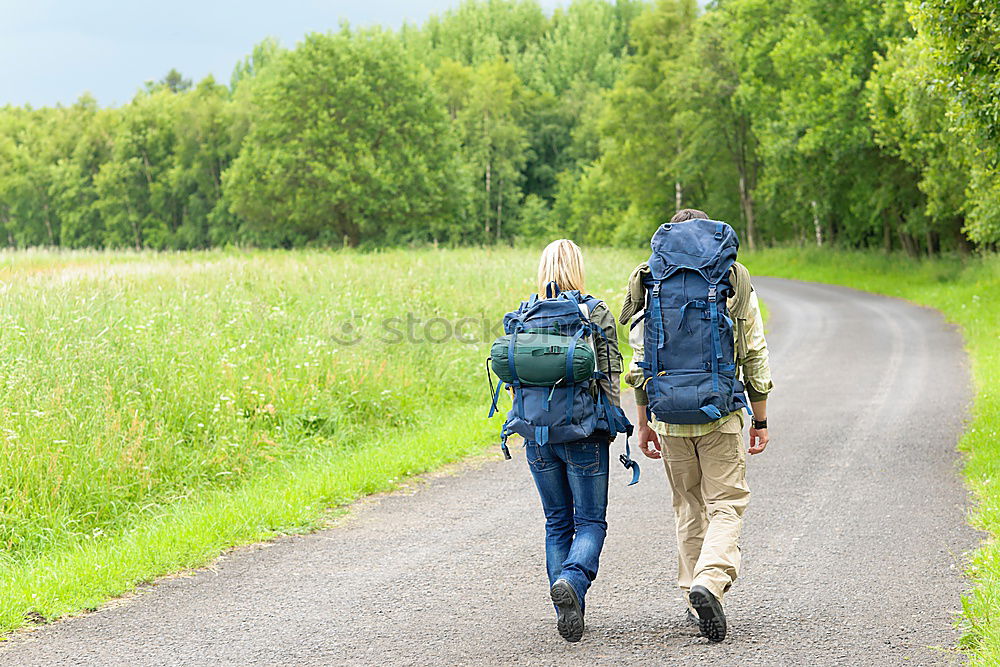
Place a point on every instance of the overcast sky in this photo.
(52, 51)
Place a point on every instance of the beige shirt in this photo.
(751, 354)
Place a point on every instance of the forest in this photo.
(861, 124)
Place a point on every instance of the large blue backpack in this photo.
(689, 367)
(566, 410)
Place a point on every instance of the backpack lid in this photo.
(706, 246)
(562, 311)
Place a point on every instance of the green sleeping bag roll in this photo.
(540, 359)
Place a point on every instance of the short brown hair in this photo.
(689, 214)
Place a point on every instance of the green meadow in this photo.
(160, 408)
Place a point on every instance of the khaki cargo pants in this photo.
(708, 480)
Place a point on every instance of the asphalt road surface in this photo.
(853, 542)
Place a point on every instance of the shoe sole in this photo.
(570, 623)
(711, 620)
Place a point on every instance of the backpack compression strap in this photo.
(516, 384)
(609, 415)
(713, 295)
(569, 371)
(626, 458)
(629, 462)
(655, 314)
(626, 428)
(496, 392)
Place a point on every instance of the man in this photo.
(706, 463)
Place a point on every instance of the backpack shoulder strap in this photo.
(590, 303)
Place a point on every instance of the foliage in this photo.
(487, 107)
(909, 115)
(962, 36)
(496, 122)
(349, 145)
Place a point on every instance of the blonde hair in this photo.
(562, 263)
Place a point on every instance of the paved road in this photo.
(853, 541)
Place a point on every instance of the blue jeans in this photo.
(572, 480)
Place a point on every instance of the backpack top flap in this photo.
(561, 313)
(706, 246)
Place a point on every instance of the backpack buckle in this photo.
(712, 293)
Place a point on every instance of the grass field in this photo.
(160, 408)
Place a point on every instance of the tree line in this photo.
(862, 123)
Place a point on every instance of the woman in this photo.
(572, 478)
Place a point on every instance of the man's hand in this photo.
(758, 440)
(648, 442)
(758, 436)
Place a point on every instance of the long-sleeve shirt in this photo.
(608, 358)
(750, 347)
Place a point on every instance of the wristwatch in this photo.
(760, 424)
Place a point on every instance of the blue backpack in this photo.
(689, 355)
(565, 410)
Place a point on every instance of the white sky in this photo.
(52, 51)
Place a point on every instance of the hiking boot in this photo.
(569, 615)
(711, 620)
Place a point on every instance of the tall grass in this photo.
(159, 408)
(968, 293)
